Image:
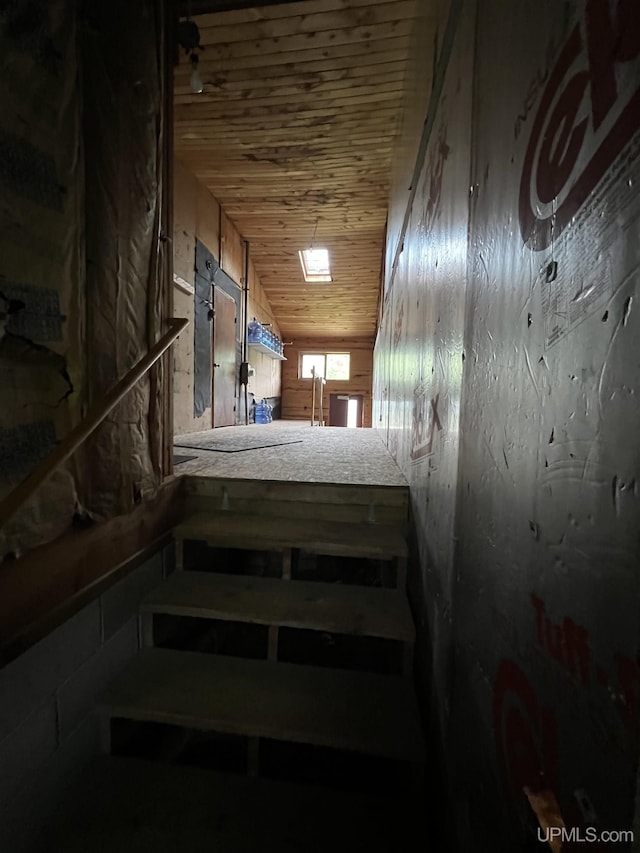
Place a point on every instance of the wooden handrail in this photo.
(94, 417)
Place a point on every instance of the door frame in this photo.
(214, 372)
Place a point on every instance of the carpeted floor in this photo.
(293, 451)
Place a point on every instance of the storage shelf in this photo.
(267, 351)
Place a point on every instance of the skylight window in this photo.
(315, 264)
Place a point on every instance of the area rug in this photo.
(233, 444)
(179, 458)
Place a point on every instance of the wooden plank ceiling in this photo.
(293, 134)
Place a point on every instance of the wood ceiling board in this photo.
(236, 102)
(245, 144)
(187, 8)
(270, 164)
(266, 12)
(277, 92)
(321, 119)
(304, 152)
(294, 135)
(304, 108)
(226, 80)
(355, 51)
(295, 43)
(367, 19)
(242, 134)
(318, 192)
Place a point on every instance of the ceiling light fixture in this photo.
(189, 39)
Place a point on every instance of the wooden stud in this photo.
(179, 553)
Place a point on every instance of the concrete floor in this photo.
(135, 806)
(306, 454)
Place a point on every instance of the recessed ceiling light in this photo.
(315, 264)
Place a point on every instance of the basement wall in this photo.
(49, 730)
(296, 392)
(198, 216)
(506, 385)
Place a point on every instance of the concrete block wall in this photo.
(48, 725)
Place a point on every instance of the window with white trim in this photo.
(332, 366)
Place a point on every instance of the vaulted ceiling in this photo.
(293, 134)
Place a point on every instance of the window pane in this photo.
(316, 261)
(310, 360)
(338, 365)
(315, 264)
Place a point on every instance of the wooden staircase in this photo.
(263, 698)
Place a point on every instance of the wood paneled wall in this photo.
(197, 215)
(232, 250)
(296, 393)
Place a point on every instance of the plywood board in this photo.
(230, 530)
(232, 250)
(304, 704)
(166, 802)
(184, 222)
(337, 608)
(208, 220)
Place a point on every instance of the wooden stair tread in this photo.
(233, 530)
(336, 608)
(356, 711)
(131, 805)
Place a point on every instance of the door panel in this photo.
(202, 347)
(224, 358)
(360, 400)
(338, 409)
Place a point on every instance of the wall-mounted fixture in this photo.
(195, 81)
(189, 39)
